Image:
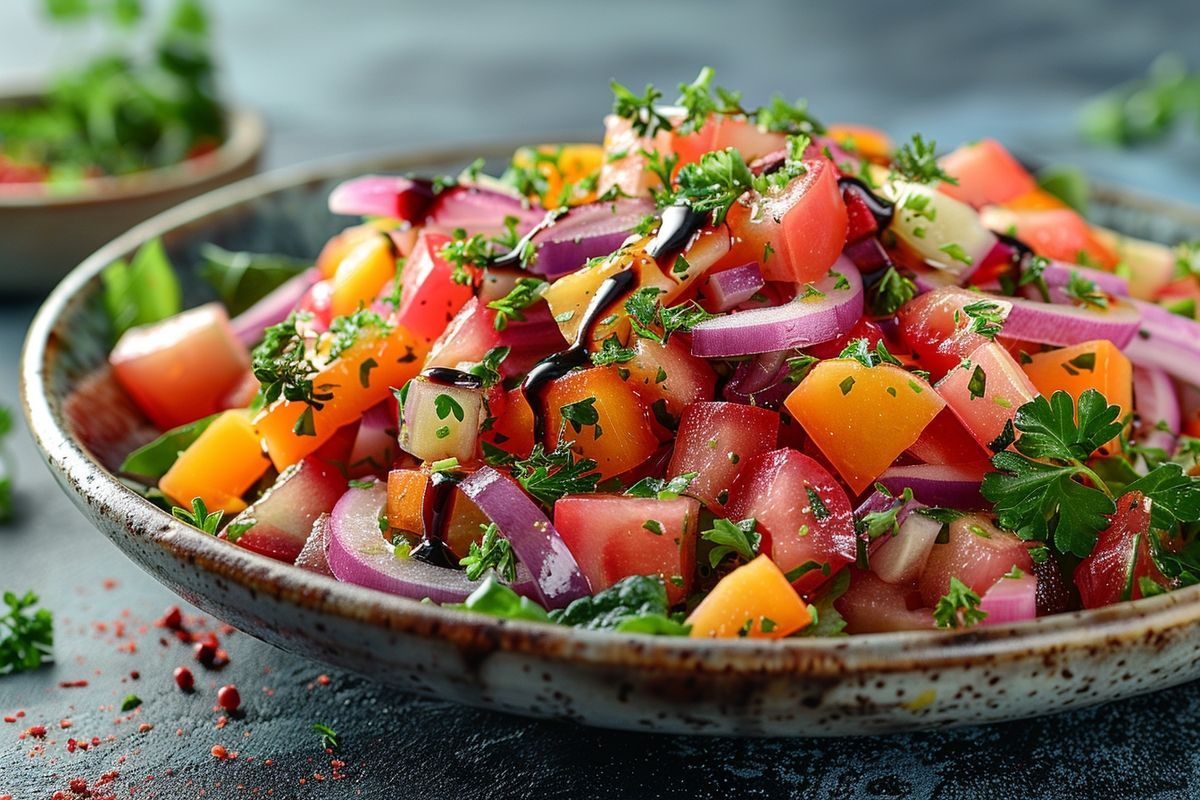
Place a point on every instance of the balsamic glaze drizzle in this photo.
(513, 257)
(881, 209)
(559, 364)
(448, 376)
(679, 225)
(436, 517)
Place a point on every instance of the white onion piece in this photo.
(937, 227)
(1010, 600)
(901, 558)
(817, 315)
(431, 430)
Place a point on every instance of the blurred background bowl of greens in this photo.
(129, 128)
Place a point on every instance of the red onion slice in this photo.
(735, 286)
(1165, 340)
(1010, 600)
(272, 309)
(534, 540)
(952, 486)
(1064, 325)
(408, 199)
(584, 232)
(357, 553)
(760, 381)
(819, 313)
(477, 209)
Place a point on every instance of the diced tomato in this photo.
(182, 368)
(987, 174)
(795, 233)
(242, 394)
(1114, 571)
(622, 437)
(615, 536)
(397, 357)
(318, 301)
(223, 462)
(946, 441)
(1095, 365)
(986, 391)
(755, 600)
(720, 132)
(670, 373)
(872, 605)
(862, 417)
(624, 164)
(429, 298)
(282, 519)
(467, 338)
(801, 508)
(365, 269)
(977, 553)
(1060, 233)
(863, 329)
(512, 428)
(714, 441)
(861, 222)
(936, 329)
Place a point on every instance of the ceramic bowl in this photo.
(802, 687)
(44, 233)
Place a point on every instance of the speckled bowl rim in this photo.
(97, 490)
(245, 142)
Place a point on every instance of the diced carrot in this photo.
(366, 269)
(1095, 365)
(755, 600)
(355, 385)
(862, 417)
(219, 466)
(622, 437)
(406, 499)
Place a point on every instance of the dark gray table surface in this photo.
(371, 74)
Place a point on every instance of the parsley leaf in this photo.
(581, 414)
(636, 604)
(714, 183)
(488, 368)
(861, 351)
(198, 516)
(696, 100)
(25, 638)
(1085, 292)
(780, 116)
(892, 290)
(525, 293)
(916, 160)
(662, 489)
(647, 315)
(497, 600)
(329, 737)
(1174, 495)
(736, 538)
(612, 352)
(639, 109)
(550, 476)
(491, 552)
(876, 523)
(958, 608)
(464, 252)
(986, 317)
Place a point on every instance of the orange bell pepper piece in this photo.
(219, 466)
(755, 600)
(366, 269)
(1095, 365)
(622, 437)
(862, 417)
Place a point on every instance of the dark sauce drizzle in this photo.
(679, 224)
(448, 376)
(555, 366)
(880, 209)
(435, 513)
(513, 257)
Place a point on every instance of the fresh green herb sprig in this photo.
(697, 101)
(26, 635)
(916, 161)
(6, 494)
(491, 552)
(640, 110)
(198, 516)
(650, 319)
(329, 737)
(958, 608)
(549, 476)
(1085, 291)
(893, 289)
(524, 294)
(739, 539)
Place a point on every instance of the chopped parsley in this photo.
(986, 317)
(466, 252)
(780, 116)
(524, 294)
(1085, 292)
(696, 99)
(640, 110)
(916, 161)
(648, 316)
(959, 608)
(284, 368)
(893, 289)
(26, 634)
(662, 489)
(612, 352)
(581, 414)
(198, 516)
(549, 476)
(491, 552)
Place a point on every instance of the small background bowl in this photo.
(798, 687)
(44, 232)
